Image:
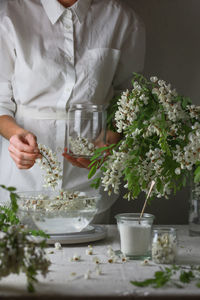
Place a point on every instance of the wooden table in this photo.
(66, 278)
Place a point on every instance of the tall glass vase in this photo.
(194, 212)
(86, 129)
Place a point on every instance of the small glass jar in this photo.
(135, 234)
(164, 245)
(86, 129)
(194, 211)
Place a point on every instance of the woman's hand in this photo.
(23, 149)
(81, 162)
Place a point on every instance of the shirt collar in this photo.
(80, 8)
(54, 9)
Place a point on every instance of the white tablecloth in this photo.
(66, 278)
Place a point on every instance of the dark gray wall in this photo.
(173, 54)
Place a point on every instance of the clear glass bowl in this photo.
(57, 212)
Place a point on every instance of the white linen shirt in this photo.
(52, 56)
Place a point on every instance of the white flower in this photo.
(87, 275)
(110, 251)
(178, 171)
(112, 259)
(51, 165)
(57, 246)
(154, 79)
(164, 248)
(159, 131)
(145, 262)
(155, 91)
(96, 260)
(75, 257)
(89, 251)
(112, 175)
(124, 258)
(81, 146)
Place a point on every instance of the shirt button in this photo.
(70, 58)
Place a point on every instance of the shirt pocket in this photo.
(101, 71)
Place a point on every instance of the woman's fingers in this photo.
(84, 162)
(22, 163)
(78, 162)
(24, 150)
(22, 155)
(72, 160)
(21, 143)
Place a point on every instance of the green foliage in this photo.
(197, 175)
(151, 117)
(18, 251)
(97, 162)
(171, 276)
(111, 110)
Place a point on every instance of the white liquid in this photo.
(135, 238)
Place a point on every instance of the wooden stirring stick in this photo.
(151, 187)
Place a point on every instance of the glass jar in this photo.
(194, 210)
(86, 129)
(164, 245)
(135, 234)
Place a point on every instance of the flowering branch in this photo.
(161, 140)
(51, 165)
(18, 251)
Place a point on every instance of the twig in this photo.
(46, 160)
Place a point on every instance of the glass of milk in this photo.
(135, 234)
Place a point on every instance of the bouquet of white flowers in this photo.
(161, 141)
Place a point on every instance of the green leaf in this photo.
(159, 185)
(198, 284)
(14, 205)
(30, 287)
(38, 233)
(186, 276)
(92, 171)
(11, 189)
(197, 174)
(144, 283)
(185, 101)
(96, 183)
(17, 239)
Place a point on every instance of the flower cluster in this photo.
(81, 146)
(18, 252)
(114, 171)
(50, 164)
(164, 248)
(63, 201)
(161, 140)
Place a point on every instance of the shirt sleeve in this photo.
(7, 60)
(132, 55)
